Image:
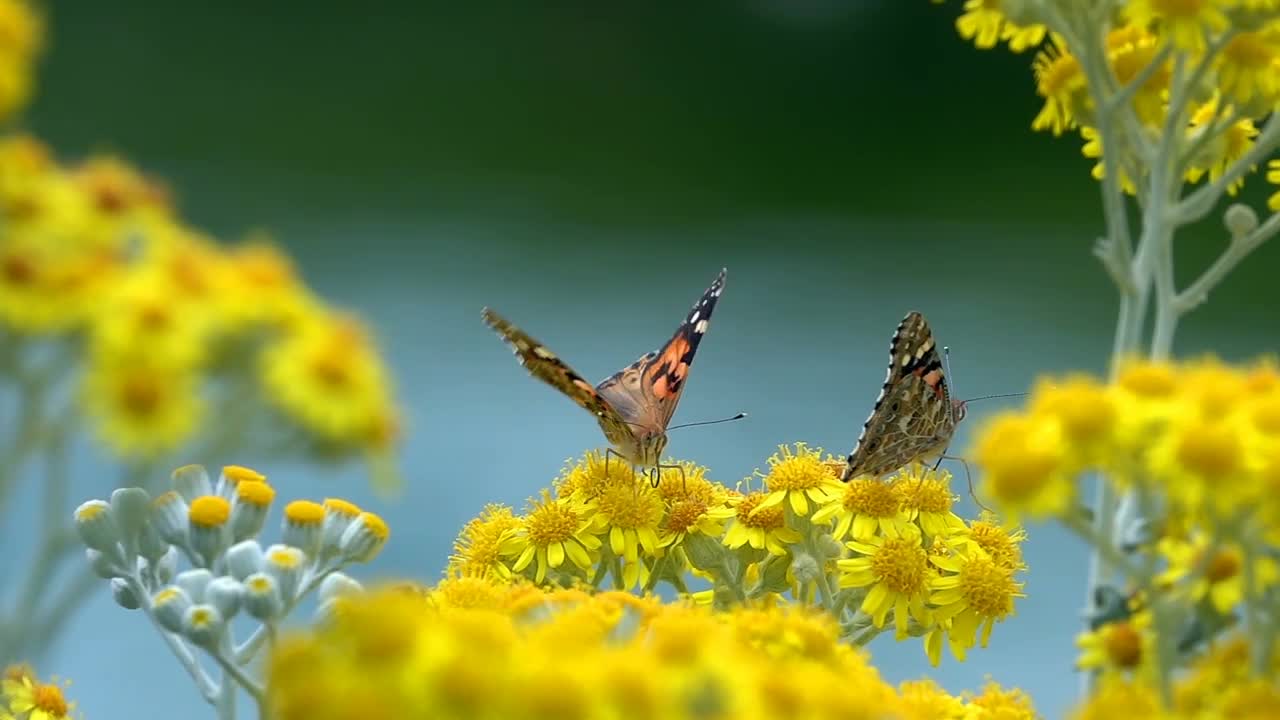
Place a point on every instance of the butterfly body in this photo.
(633, 406)
(915, 417)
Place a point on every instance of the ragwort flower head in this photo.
(1025, 465)
(864, 507)
(631, 518)
(797, 477)
(897, 571)
(761, 528)
(927, 500)
(484, 542)
(555, 529)
(975, 593)
(1184, 23)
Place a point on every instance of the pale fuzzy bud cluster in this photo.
(135, 542)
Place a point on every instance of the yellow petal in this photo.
(577, 554)
(842, 526)
(630, 574)
(798, 504)
(526, 557)
(555, 554)
(541, 573)
(617, 543)
(774, 498)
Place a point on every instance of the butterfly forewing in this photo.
(647, 391)
(912, 419)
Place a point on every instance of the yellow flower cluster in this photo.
(24, 697)
(21, 37)
(864, 551)
(1217, 60)
(96, 252)
(476, 648)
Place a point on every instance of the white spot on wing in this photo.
(701, 327)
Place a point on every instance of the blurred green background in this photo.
(586, 168)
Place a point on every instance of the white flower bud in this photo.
(232, 476)
(262, 597)
(285, 564)
(249, 509)
(302, 520)
(209, 528)
(244, 559)
(362, 541)
(97, 529)
(338, 516)
(130, 508)
(202, 625)
(1240, 220)
(225, 594)
(194, 583)
(337, 585)
(804, 567)
(169, 606)
(167, 565)
(124, 595)
(150, 545)
(169, 516)
(191, 482)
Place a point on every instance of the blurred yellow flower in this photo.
(1199, 571)
(140, 315)
(1247, 68)
(142, 410)
(21, 37)
(997, 703)
(1227, 146)
(1024, 464)
(31, 699)
(1130, 50)
(1183, 23)
(1086, 412)
(1117, 697)
(1125, 646)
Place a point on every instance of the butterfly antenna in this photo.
(1001, 395)
(739, 416)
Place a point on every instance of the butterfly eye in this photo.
(960, 411)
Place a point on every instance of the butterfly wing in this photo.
(912, 418)
(546, 366)
(647, 391)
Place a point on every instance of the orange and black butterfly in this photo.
(634, 405)
(915, 417)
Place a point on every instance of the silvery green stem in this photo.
(209, 690)
(244, 652)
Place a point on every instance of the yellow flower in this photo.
(897, 569)
(1086, 413)
(586, 478)
(262, 288)
(863, 507)
(985, 24)
(1247, 68)
(1002, 543)
(796, 476)
(1227, 145)
(1117, 697)
(976, 593)
(1025, 467)
(1130, 49)
(142, 410)
(1273, 177)
(761, 529)
(1198, 571)
(553, 530)
(21, 30)
(328, 375)
(995, 702)
(1060, 81)
(631, 517)
(1126, 646)
(34, 700)
(693, 515)
(926, 499)
(924, 700)
(1203, 465)
(143, 315)
(1093, 149)
(484, 541)
(1181, 22)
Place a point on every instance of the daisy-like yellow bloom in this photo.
(864, 507)
(1006, 704)
(1181, 22)
(1247, 68)
(141, 410)
(555, 529)
(118, 192)
(897, 571)
(1224, 149)
(471, 592)
(143, 315)
(262, 288)
(328, 375)
(1024, 466)
(761, 529)
(1118, 697)
(1198, 571)
(1130, 49)
(1061, 82)
(34, 700)
(1204, 465)
(1093, 149)
(797, 477)
(484, 541)
(692, 515)
(587, 478)
(1124, 646)
(1086, 413)
(631, 518)
(925, 700)
(985, 23)
(927, 499)
(976, 592)
(1003, 543)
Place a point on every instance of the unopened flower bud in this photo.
(244, 559)
(232, 476)
(302, 521)
(194, 583)
(249, 509)
(202, 624)
(191, 482)
(363, 540)
(262, 597)
(169, 606)
(209, 528)
(124, 595)
(225, 594)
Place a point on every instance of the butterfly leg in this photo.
(656, 478)
(607, 452)
(967, 476)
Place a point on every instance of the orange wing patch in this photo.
(671, 368)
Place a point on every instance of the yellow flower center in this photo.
(154, 318)
(239, 473)
(17, 270)
(1086, 413)
(684, 515)
(375, 526)
(998, 543)
(258, 494)
(872, 498)
(209, 511)
(1212, 451)
(303, 512)
(470, 592)
(551, 522)
(1123, 645)
(1183, 9)
(140, 396)
(1249, 50)
(796, 470)
(1022, 472)
(902, 565)
(1056, 74)
(331, 369)
(924, 494)
(1224, 565)
(1149, 380)
(988, 588)
(49, 698)
(341, 507)
(770, 518)
(629, 508)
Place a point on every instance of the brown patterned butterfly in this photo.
(634, 405)
(915, 417)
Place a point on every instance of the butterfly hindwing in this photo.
(912, 418)
(647, 391)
